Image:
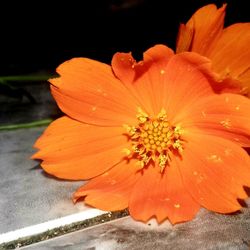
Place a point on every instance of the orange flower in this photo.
(151, 136)
(227, 48)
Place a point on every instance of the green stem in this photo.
(23, 78)
(26, 125)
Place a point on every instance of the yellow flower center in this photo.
(153, 139)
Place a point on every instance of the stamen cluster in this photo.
(154, 139)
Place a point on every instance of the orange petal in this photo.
(89, 92)
(244, 79)
(73, 150)
(111, 190)
(185, 37)
(188, 78)
(231, 53)
(225, 115)
(206, 24)
(162, 195)
(145, 78)
(214, 171)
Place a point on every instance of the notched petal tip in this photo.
(123, 65)
(142, 217)
(35, 156)
(77, 195)
(128, 70)
(55, 81)
(177, 220)
(160, 220)
(125, 58)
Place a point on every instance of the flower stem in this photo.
(26, 125)
(22, 78)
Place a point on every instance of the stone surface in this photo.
(28, 195)
(208, 231)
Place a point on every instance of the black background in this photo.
(37, 36)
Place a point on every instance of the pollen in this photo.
(226, 123)
(153, 140)
(237, 107)
(214, 158)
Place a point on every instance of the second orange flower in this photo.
(228, 48)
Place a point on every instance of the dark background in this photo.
(37, 36)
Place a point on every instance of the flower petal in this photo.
(188, 78)
(111, 190)
(244, 79)
(162, 195)
(215, 172)
(165, 81)
(185, 37)
(73, 150)
(145, 78)
(89, 92)
(225, 115)
(231, 53)
(206, 24)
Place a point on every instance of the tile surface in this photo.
(207, 231)
(28, 196)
